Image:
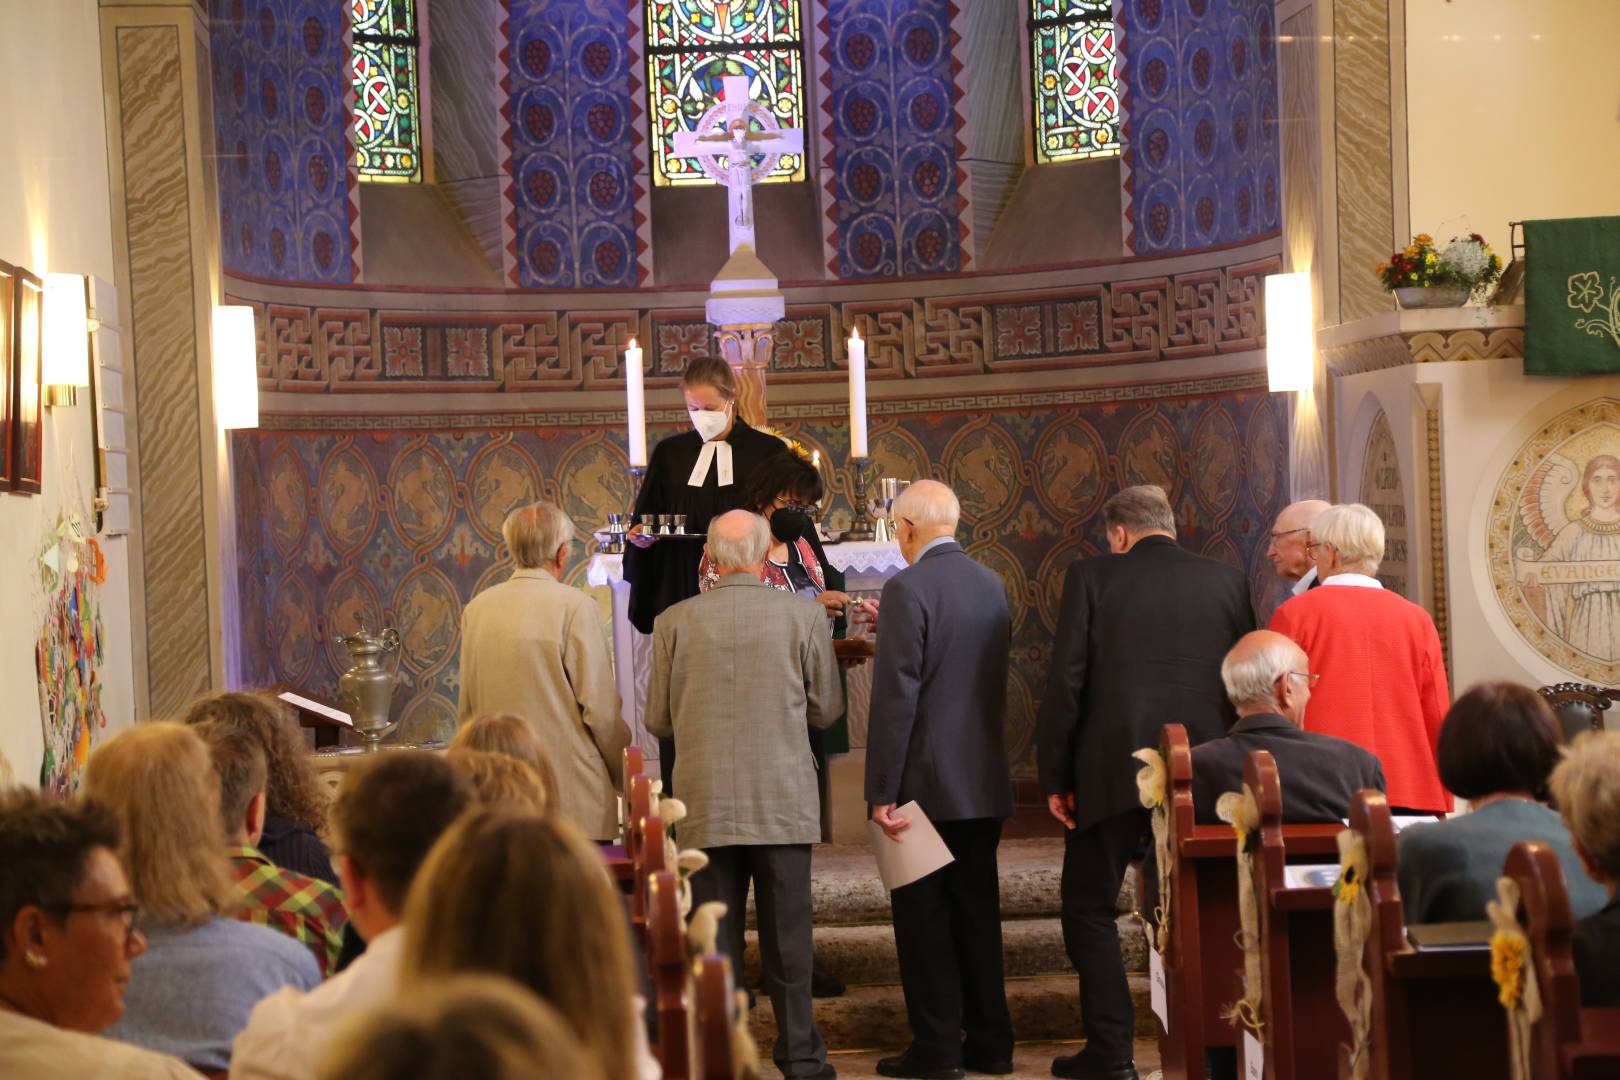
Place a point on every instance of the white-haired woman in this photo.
(1383, 673)
(1586, 786)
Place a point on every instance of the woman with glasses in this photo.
(202, 972)
(67, 941)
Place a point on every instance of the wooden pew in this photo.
(652, 859)
(620, 863)
(715, 1018)
(1202, 964)
(1434, 1012)
(638, 807)
(666, 956)
(1569, 1042)
(1301, 1022)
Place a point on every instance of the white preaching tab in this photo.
(316, 707)
(918, 852)
(1254, 1058)
(1156, 991)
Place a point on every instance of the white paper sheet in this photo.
(1156, 989)
(1254, 1058)
(316, 707)
(918, 853)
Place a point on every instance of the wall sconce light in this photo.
(236, 368)
(1289, 333)
(67, 326)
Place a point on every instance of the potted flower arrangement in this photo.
(1426, 276)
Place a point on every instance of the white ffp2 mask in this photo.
(709, 424)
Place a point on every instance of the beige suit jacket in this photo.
(740, 674)
(533, 646)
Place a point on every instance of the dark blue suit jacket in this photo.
(939, 690)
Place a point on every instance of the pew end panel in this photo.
(666, 955)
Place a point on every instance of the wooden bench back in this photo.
(666, 957)
(715, 1018)
(1434, 1012)
(1569, 1041)
(1203, 963)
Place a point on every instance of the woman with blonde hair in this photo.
(191, 992)
(513, 736)
(1586, 785)
(469, 1025)
(500, 781)
(528, 897)
(295, 800)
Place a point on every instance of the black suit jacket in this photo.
(1319, 773)
(1140, 640)
(939, 690)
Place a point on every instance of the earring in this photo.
(34, 960)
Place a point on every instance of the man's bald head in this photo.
(738, 542)
(1289, 536)
(1265, 672)
(925, 511)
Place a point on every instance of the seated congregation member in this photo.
(305, 908)
(937, 736)
(1497, 749)
(67, 940)
(295, 799)
(740, 675)
(191, 991)
(527, 897)
(1268, 681)
(1586, 786)
(1383, 683)
(504, 733)
(391, 810)
(533, 647)
(466, 1026)
(500, 781)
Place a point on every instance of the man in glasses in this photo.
(1289, 539)
(1268, 680)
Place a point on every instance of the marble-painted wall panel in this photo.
(281, 136)
(1363, 153)
(464, 88)
(1201, 148)
(396, 518)
(153, 121)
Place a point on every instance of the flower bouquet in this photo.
(1426, 276)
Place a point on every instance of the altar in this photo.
(866, 566)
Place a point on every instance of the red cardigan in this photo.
(1383, 683)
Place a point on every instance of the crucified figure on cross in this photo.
(726, 132)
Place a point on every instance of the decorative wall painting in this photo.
(8, 306)
(27, 390)
(68, 653)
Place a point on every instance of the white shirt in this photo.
(1359, 581)
(1305, 581)
(34, 1050)
(290, 1030)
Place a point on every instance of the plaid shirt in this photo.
(301, 907)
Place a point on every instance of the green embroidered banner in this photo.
(1572, 296)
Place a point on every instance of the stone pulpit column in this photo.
(744, 304)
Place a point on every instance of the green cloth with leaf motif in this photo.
(1572, 296)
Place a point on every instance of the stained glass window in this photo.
(1074, 68)
(387, 110)
(693, 44)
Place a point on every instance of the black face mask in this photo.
(789, 524)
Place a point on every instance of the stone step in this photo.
(1044, 1009)
(865, 956)
(845, 889)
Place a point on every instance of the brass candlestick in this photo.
(861, 528)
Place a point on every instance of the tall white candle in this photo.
(636, 405)
(857, 394)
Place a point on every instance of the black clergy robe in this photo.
(667, 572)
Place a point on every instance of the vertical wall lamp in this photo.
(236, 368)
(66, 338)
(1289, 325)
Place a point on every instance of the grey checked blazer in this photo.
(740, 674)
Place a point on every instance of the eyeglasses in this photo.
(1311, 677)
(1276, 536)
(127, 911)
(1312, 545)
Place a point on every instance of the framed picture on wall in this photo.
(8, 322)
(27, 391)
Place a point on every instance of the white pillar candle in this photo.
(636, 405)
(857, 394)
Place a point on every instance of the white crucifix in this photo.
(725, 133)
